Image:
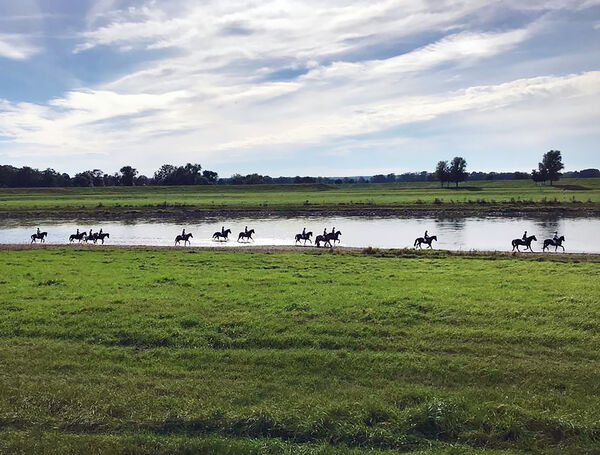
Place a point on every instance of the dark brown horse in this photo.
(41, 237)
(326, 239)
(306, 237)
(100, 236)
(183, 238)
(222, 236)
(555, 243)
(427, 241)
(247, 235)
(526, 243)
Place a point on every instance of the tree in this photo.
(442, 172)
(210, 177)
(458, 170)
(127, 175)
(552, 162)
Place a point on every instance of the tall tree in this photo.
(552, 162)
(458, 170)
(127, 175)
(539, 175)
(442, 172)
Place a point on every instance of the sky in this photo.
(283, 87)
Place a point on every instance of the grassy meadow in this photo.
(572, 193)
(145, 351)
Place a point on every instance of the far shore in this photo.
(176, 211)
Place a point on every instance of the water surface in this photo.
(468, 233)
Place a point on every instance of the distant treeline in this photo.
(193, 174)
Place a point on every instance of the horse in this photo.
(555, 243)
(335, 236)
(101, 237)
(81, 236)
(225, 235)
(246, 235)
(185, 238)
(326, 239)
(39, 236)
(427, 241)
(90, 237)
(304, 237)
(526, 243)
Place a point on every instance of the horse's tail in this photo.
(416, 242)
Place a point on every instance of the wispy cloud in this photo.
(17, 47)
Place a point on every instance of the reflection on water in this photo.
(488, 233)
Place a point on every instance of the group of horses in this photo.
(219, 236)
(89, 237)
(80, 237)
(326, 239)
(526, 242)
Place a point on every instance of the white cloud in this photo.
(354, 68)
(16, 47)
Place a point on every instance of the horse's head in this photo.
(309, 234)
(227, 231)
(338, 233)
(562, 238)
(534, 238)
(190, 234)
(433, 237)
(251, 231)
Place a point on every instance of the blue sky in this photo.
(285, 87)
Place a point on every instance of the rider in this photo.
(333, 230)
(304, 232)
(555, 237)
(183, 232)
(525, 235)
(100, 231)
(246, 230)
(77, 231)
(426, 236)
(223, 230)
(324, 232)
(38, 231)
(91, 235)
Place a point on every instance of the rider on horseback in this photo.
(183, 232)
(525, 235)
(38, 232)
(223, 230)
(324, 232)
(303, 232)
(100, 231)
(246, 230)
(555, 237)
(426, 236)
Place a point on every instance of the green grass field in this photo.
(305, 197)
(144, 351)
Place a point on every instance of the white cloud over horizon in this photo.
(249, 84)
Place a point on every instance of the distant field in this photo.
(566, 192)
(148, 351)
